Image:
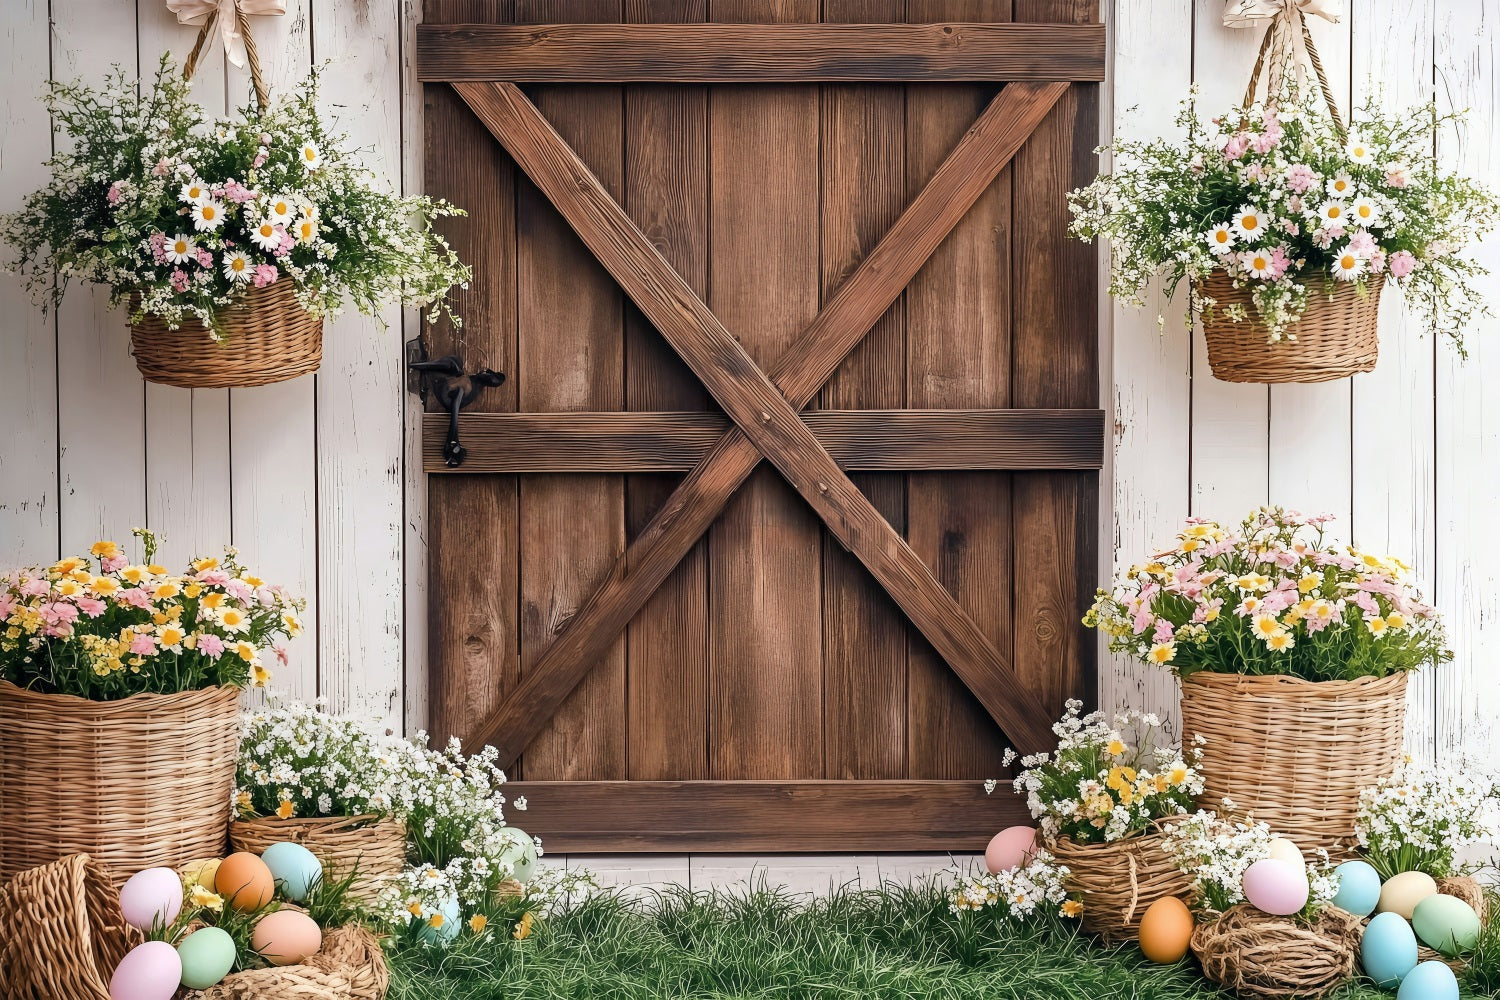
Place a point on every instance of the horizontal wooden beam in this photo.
(753, 816)
(751, 53)
(860, 440)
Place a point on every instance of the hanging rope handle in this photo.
(1268, 47)
(252, 55)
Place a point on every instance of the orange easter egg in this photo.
(244, 881)
(1165, 930)
(286, 937)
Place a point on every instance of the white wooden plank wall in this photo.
(319, 484)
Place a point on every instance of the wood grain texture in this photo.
(771, 816)
(760, 53)
(976, 159)
(867, 440)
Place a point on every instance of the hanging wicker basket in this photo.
(373, 845)
(1295, 753)
(268, 337)
(1336, 337)
(1116, 881)
(1258, 955)
(141, 782)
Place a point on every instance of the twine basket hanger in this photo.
(1279, 47)
(252, 55)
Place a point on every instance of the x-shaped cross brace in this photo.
(763, 407)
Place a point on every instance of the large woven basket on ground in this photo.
(137, 783)
(1118, 880)
(268, 337)
(1258, 955)
(375, 846)
(1336, 337)
(1295, 753)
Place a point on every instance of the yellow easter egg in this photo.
(1401, 893)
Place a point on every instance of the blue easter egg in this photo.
(1359, 888)
(1429, 981)
(295, 869)
(1388, 950)
(445, 933)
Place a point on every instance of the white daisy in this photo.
(312, 159)
(1341, 186)
(1257, 263)
(306, 228)
(1250, 223)
(1333, 213)
(267, 235)
(180, 249)
(1365, 212)
(1359, 151)
(194, 193)
(208, 215)
(1220, 238)
(1348, 265)
(279, 210)
(237, 267)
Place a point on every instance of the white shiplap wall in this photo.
(317, 480)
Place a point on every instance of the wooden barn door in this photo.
(780, 528)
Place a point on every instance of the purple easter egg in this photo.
(1276, 887)
(151, 971)
(153, 896)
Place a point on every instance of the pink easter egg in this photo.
(1010, 848)
(151, 896)
(1276, 887)
(151, 971)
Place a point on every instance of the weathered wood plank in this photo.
(775, 816)
(760, 53)
(983, 151)
(866, 440)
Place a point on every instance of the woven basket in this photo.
(1118, 880)
(1295, 753)
(1258, 955)
(61, 931)
(268, 337)
(1469, 890)
(376, 846)
(137, 783)
(351, 965)
(1336, 337)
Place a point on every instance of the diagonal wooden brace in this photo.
(767, 418)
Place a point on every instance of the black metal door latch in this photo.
(454, 390)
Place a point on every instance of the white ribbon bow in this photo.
(196, 12)
(1253, 13)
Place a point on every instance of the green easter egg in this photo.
(522, 855)
(1446, 924)
(207, 956)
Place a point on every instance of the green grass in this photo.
(898, 943)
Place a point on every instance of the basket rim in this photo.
(364, 820)
(210, 694)
(1229, 679)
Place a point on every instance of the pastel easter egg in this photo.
(443, 930)
(294, 868)
(1388, 950)
(1401, 893)
(151, 971)
(201, 873)
(207, 956)
(1429, 981)
(521, 855)
(1359, 888)
(1284, 850)
(1010, 848)
(244, 881)
(1276, 887)
(286, 937)
(1446, 924)
(1166, 928)
(153, 896)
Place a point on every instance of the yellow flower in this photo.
(69, 588)
(245, 651)
(232, 619)
(435, 921)
(478, 922)
(1211, 614)
(1267, 626)
(1072, 908)
(104, 585)
(243, 802)
(1115, 748)
(293, 625)
(1253, 582)
(68, 565)
(1190, 545)
(172, 635)
(414, 908)
(156, 569)
(1178, 775)
(192, 590)
(134, 574)
(1376, 625)
(205, 564)
(1162, 652)
(259, 675)
(105, 550)
(1161, 783)
(1395, 620)
(166, 591)
(523, 929)
(1280, 642)
(253, 581)
(285, 810)
(205, 899)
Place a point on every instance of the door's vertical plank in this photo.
(1395, 505)
(766, 671)
(414, 565)
(473, 544)
(571, 322)
(864, 633)
(100, 396)
(28, 335)
(1054, 362)
(958, 343)
(666, 193)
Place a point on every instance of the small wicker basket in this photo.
(376, 845)
(141, 782)
(1258, 955)
(268, 337)
(1118, 880)
(1336, 337)
(1295, 753)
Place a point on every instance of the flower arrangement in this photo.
(299, 761)
(113, 629)
(1097, 786)
(1272, 598)
(1280, 200)
(1215, 851)
(1035, 888)
(181, 214)
(1422, 815)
